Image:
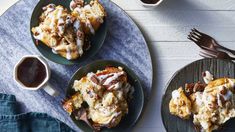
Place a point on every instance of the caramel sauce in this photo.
(31, 72)
(150, 1)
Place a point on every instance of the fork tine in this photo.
(192, 39)
(196, 32)
(193, 36)
(200, 32)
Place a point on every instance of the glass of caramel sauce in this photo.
(32, 73)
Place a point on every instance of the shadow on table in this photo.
(183, 15)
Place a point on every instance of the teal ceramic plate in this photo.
(188, 74)
(96, 41)
(135, 105)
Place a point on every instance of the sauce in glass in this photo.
(31, 72)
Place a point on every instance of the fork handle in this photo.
(227, 49)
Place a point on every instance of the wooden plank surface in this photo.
(166, 28)
(180, 5)
(5, 5)
(175, 25)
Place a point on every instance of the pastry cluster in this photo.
(104, 95)
(67, 32)
(210, 105)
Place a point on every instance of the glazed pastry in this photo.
(91, 15)
(211, 105)
(179, 104)
(60, 31)
(106, 93)
(215, 105)
(73, 103)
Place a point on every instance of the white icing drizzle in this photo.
(68, 53)
(61, 26)
(54, 18)
(231, 83)
(175, 94)
(116, 86)
(89, 9)
(49, 8)
(40, 33)
(219, 102)
(71, 5)
(208, 77)
(199, 100)
(78, 10)
(88, 24)
(116, 114)
(59, 13)
(77, 25)
(79, 41)
(52, 24)
(228, 95)
(112, 78)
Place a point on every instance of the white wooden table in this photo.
(166, 28)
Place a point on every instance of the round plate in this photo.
(96, 40)
(135, 105)
(188, 74)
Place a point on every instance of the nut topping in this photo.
(224, 91)
(79, 34)
(94, 79)
(203, 74)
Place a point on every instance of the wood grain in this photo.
(180, 5)
(172, 25)
(166, 34)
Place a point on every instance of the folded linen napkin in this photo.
(12, 121)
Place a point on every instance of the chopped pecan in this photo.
(79, 34)
(79, 2)
(189, 87)
(199, 87)
(94, 79)
(222, 100)
(36, 33)
(224, 91)
(203, 74)
(194, 87)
